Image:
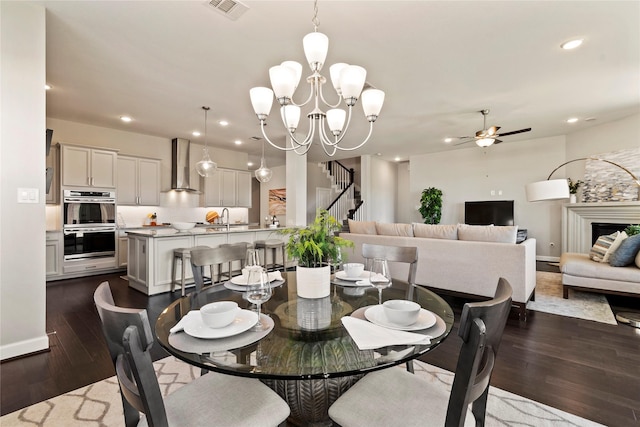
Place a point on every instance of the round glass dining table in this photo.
(306, 354)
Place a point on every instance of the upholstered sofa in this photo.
(612, 266)
(457, 258)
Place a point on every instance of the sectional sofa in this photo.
(460, 259)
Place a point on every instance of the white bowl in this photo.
(183, 226)
(219, 314)
(401, 312)
(353, 269)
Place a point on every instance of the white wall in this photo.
(379, 188)
(22, 164)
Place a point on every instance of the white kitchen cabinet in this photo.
(228, 188)
(88, 167)
(138, 181)
(137, 259)
(53, 253)
(123, 251)
(53, 162)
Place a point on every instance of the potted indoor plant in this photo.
(315, 247)
(573, 189)
(431, 205)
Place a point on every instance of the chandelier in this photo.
(348, 81)
(206, 167)
(263, 173)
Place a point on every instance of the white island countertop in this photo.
(160, 232)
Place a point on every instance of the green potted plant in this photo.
(431, 205)
(315, 247)
(573, 189)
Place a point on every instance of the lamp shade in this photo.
(372, 100)
(335, 120)
(283, 81)
(485, 142)
(290, 116)
(261, 100)
(352, 80)
(296, 67)
(552, 189)
(316, 46)
(334, 71)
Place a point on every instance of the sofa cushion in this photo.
(436, 231)
(393, 229)
(626, 252)
(362, 227)
(488, 233)
(605, 246)
(580, 265)
(638, 260)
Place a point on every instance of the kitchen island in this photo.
(150, 251)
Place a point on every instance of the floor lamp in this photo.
(556, 189)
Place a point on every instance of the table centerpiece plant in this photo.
(315, 247)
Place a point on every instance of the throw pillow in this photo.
(626, 252)
(616, 243)
(488, 233)
(436, 231)
(362, 227)
(601, 250)
(404, 230)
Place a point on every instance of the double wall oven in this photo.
(89, 224)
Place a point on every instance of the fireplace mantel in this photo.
(577, 219)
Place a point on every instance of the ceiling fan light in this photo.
(485, 142)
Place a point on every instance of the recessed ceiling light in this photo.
(195, 133)
(571, 44)
(237, 142)
(448, 140)
(249, 164)
(47, 87)
(397, 159)
(223, 123)
(378, 154)
(126, 119)
(572, 120)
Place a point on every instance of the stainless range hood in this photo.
(180, 171)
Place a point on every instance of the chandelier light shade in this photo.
(556, 189)
(206, 167)
(263, 173)
(328, 127)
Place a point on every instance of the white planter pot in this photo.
(572, 198)
(313, 282)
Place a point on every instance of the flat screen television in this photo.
(496, 212)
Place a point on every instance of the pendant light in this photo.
(263, 173)
(206, 167)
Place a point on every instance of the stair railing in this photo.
(342, 179)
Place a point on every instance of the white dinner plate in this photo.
(243, 287)
(375, 314)
(343, 276)
(243, 322)
(242, 280)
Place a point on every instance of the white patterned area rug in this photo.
(99, 404)
(583, 305)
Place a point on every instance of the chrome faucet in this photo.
(222, 217)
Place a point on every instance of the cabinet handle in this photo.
(143, 249)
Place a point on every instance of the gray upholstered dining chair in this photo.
(401, 254)
(214, 399)
(213, 258)
(416, 402)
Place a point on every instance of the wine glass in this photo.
(258, 291)
(252, 258)
(380, 277)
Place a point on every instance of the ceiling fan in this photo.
(488, 136)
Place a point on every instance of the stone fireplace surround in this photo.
(577, 219)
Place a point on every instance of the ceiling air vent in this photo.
(232, 9)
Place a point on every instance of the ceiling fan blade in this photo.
(497, 141)
(464, 140)
(514, 132)
(493, 130)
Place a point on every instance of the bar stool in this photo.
(230, 271)
(184, 256)
(272, 244)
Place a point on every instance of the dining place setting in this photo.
(392, 322)
(223, 325)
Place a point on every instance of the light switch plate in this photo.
(28, 195)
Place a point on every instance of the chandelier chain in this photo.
(315, 20)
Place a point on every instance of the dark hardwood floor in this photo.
(586, 368)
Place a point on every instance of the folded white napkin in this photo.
(274, 275)
(180, 325)
(368, 336)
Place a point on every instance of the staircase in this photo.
(346, 205)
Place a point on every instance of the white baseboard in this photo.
(24, 347)
(547, 258)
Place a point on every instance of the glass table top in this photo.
(306, 339)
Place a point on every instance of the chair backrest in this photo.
(115, 320)
(404, 254)
(137, 379)
(213, 257)
(481, 328)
